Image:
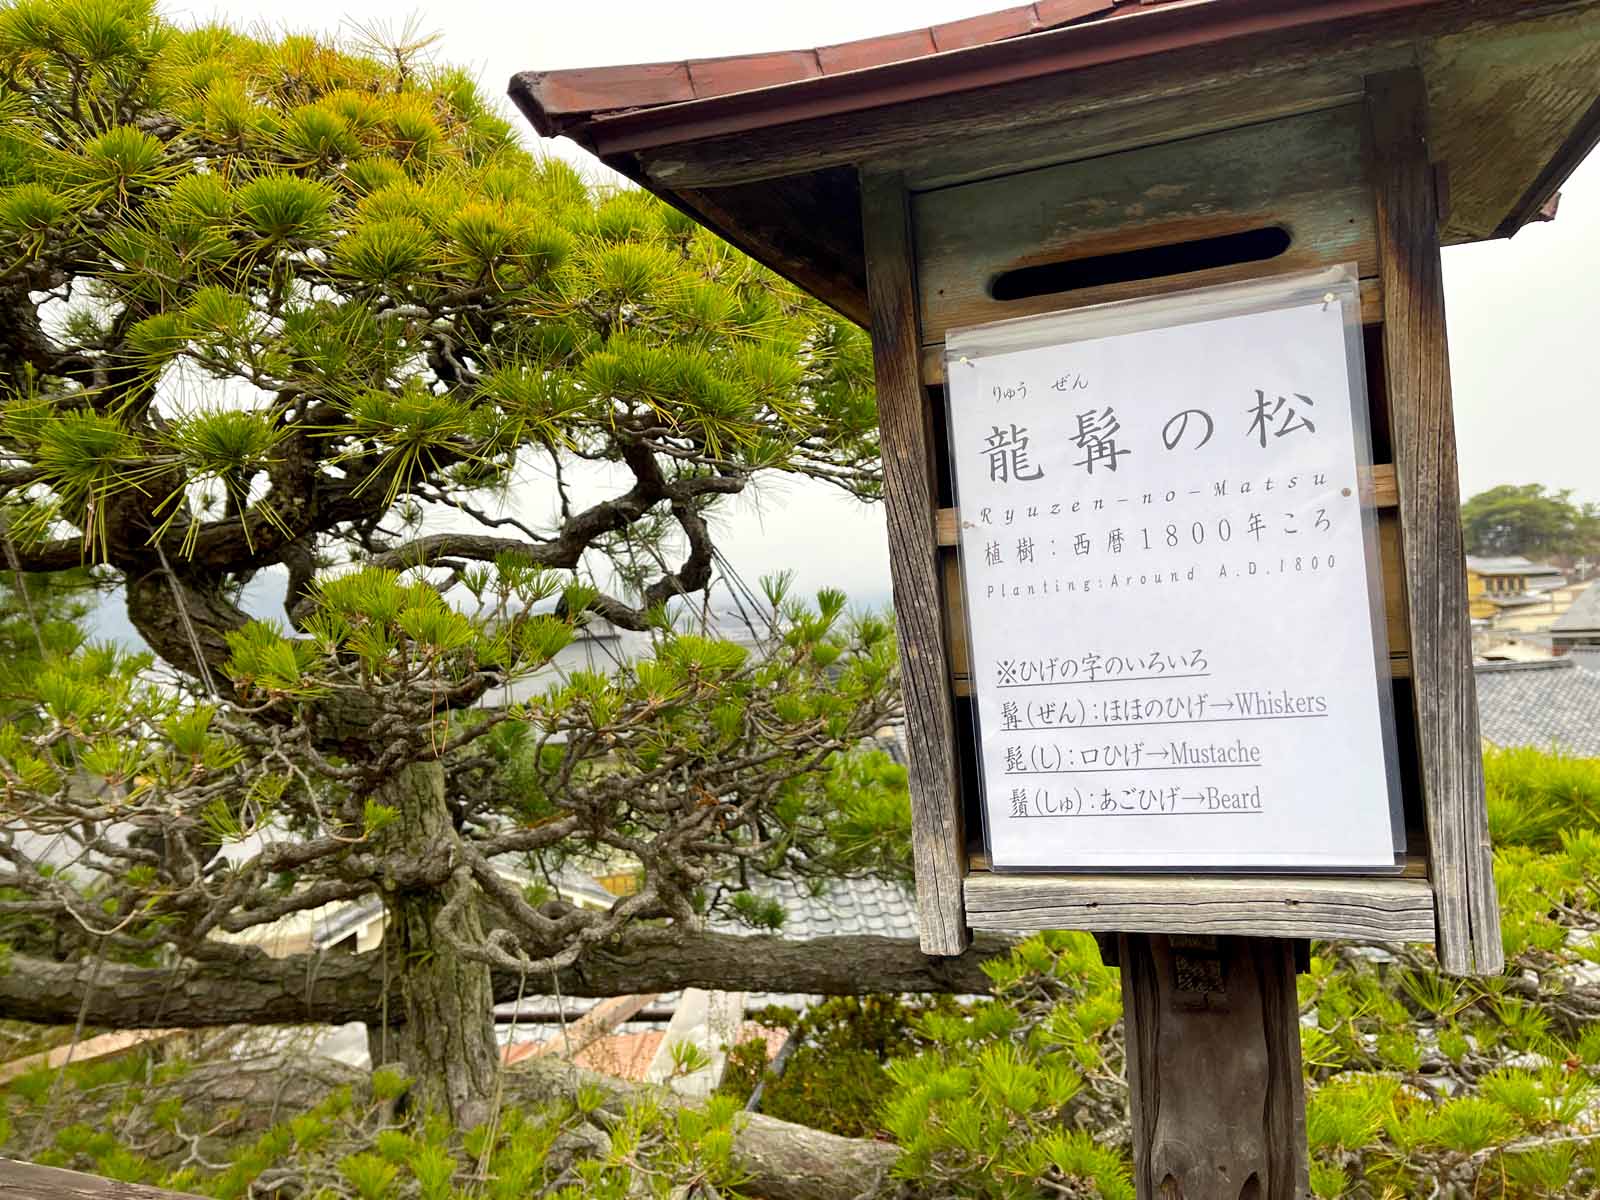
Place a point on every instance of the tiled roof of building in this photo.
(1585, 656)
(1584, 615)
(847, 907)
(1519, 600)
(1505, 564)
(1555, 703)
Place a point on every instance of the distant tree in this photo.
(269, 305)
(1531, 521)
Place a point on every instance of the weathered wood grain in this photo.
(957, 653)
(1557, 61)
(1213, 1053)
(1302, 174)
(1396, 604)
(1423, 432)
(938, 839)
(26, 1181)
(824, 257)
(1061, 122)
(1362, 908)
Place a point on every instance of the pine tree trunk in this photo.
(445, 1034)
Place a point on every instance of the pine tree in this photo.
(268, 305)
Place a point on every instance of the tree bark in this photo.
(26, 1181)
(334, 988)
(781, 1161)
(445, 1037)
(212, 616)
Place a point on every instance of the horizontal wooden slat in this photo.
(961, 138)
(933, 356)
(1115, 129)
(1302, 174)
(1361, 908)
(1416, 862)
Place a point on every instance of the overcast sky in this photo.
(1522, 312)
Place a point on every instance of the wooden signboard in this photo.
(1342, 205)
(1042, 162)
(1208, 957)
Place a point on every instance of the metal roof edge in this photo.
(1121, 34)
(641, 79)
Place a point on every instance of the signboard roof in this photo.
(761, 147)
(602, 100)
(563, 101)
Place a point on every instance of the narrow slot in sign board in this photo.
(1169, 561)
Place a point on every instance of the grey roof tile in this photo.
(1553, 703)
(1584, 613)
(847, 906)
(1586, 656)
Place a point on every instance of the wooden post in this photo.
(1417, 368)
(938, 841)
(1213, 1047)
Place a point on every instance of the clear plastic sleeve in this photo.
(1169, 550)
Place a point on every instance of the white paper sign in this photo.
(1168, 594)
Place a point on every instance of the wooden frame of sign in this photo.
(1348, 183)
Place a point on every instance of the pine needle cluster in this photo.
(276, 307)
(1417, 1083)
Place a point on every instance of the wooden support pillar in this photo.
(906, 438)
(1417, 370)
(1213, 1046)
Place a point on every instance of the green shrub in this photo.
(1534, 795)
(982, 1112)
(835, 1079)
(1412, 1076)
